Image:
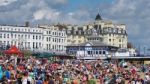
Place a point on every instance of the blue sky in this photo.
(134, 13)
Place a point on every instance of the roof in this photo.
(92, 44)
(98, 17)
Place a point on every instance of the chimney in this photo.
(27, 24)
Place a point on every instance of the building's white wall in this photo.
(54, 39)
(22, 37)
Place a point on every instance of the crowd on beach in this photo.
(31, 70)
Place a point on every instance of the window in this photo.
(47, 39)
(40, 45)
(33, 45)
(28, 36)
(59, 40)
(36, 45)
(109, 40)
(120, 45)
(104, 52)
(33, 36)
(4, 35)
(53, 40)
(53, 47)
(25, 36)
(7, 35)
(49, 46)
(119, 40)
(100, 52)
(59, 34)
(11, 35)
(15, 36)
(0, 35)
(7, 42)
(39, 37)
(96, 52)
(28, 44)
(18, 36)
(89, 52)
(4, 42)
(36, 37)
(21, 36)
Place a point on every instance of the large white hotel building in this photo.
(56, 37)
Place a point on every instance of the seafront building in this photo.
(41, 38)
(103, 30)
(55, 38)
(99, 39)
(61, 38)
(24, 37)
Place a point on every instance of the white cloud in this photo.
(6, 2)
(56, 2)
(124, 5)
(39, 14)
(59, 1)
(135, 14)
(48, 14)
(76, 17)
(71, 14)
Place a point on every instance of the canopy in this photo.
(13, 50)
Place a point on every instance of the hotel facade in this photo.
(56, 38)
(21, 36)
(102, 30)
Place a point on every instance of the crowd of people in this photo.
(31, 70)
